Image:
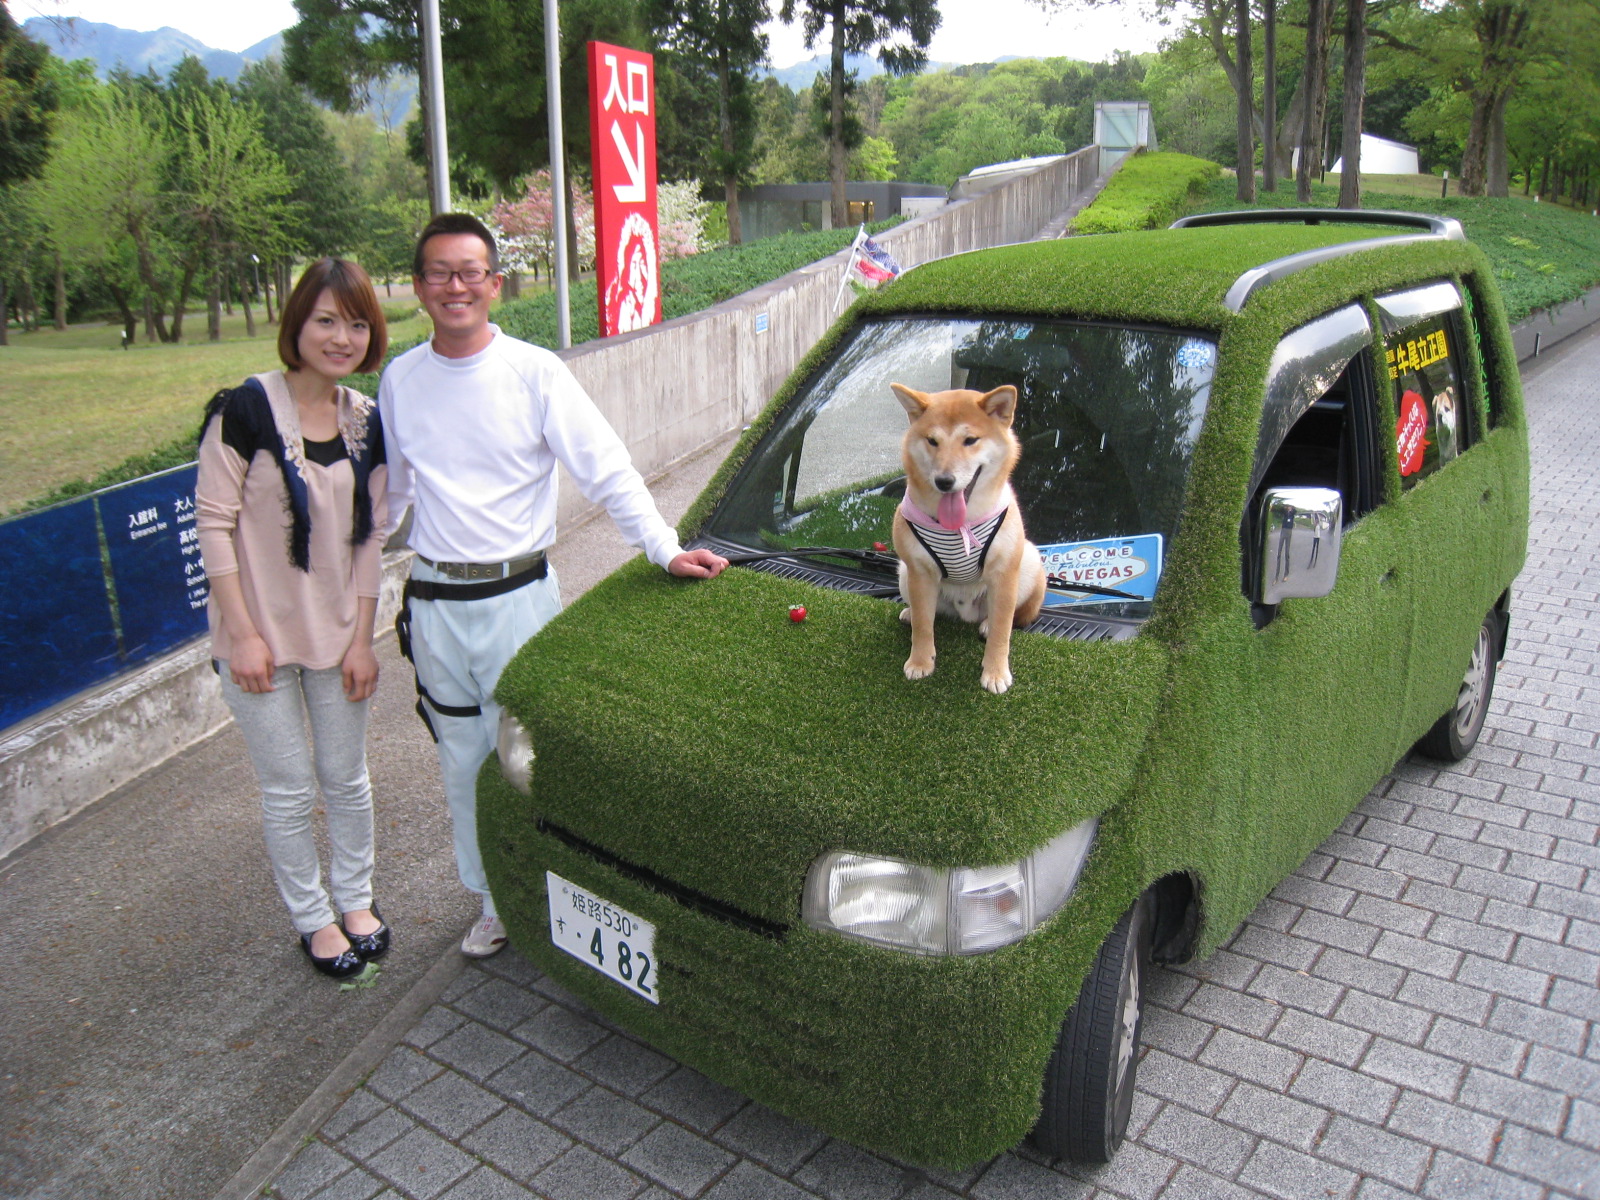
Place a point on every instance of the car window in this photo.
(1424, 361)
(1307, 421)
(1319, 426)
(1108, 417)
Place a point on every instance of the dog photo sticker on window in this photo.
(1104, 569)
(1427, 430)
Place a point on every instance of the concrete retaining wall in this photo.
(678, 386)
(669, 391)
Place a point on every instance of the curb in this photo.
(1540, 330)
(262, 1167)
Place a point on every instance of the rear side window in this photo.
(1424, 361)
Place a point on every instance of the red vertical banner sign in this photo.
(622, 129)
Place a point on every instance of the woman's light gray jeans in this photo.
(290, 766)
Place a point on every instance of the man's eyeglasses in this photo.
(468, 275)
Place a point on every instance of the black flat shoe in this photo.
(370, 945)
(341, 966)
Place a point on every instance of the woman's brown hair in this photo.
(352, 292)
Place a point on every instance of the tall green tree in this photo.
(721, 40)
(494, 69)
(858, 27)
(342, 50)
(28, 95)
(1244, 113)
(1482, 51)
(323, 201)
(1314, 89)
(1355, 100)
(82, 194)
(230, 193)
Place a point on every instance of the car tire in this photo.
(1455, 734)
(1088, 1084)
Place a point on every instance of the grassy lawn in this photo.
(1542, 254)
(74, 403)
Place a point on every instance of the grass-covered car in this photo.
(1278, 471)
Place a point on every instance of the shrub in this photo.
(1147, 192)
(174, 454)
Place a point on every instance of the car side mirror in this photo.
(1300, 531)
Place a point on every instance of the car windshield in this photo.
(1107, 416)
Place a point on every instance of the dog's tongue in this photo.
(953, 509)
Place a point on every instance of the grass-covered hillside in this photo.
(1543, 254)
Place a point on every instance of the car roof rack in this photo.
(1430, 228)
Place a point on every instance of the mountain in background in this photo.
(800, 76)
(109, 47)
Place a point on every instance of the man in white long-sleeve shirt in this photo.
(474, 423)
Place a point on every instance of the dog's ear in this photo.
(915, 403)
(1001, 404)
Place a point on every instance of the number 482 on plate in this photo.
(610, 939)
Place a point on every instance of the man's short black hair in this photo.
(456, 222)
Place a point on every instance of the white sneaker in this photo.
(486, 938)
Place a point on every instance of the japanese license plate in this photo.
(610, 939)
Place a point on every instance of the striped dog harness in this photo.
(960, 551)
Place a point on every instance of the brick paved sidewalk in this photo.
(1413, 1012)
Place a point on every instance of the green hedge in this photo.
(1147, 192)
(163, 458)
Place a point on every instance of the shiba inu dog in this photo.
(959, 454)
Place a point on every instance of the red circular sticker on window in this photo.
(1411, 432)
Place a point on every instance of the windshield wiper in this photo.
(884, 558)
(878, 557)
(1060, 586)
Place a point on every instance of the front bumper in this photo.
(933, 1060)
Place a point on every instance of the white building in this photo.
(1380, 156)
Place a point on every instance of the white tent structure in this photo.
(1380, 156)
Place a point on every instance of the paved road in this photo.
(157, 1020)
(1413, 1012)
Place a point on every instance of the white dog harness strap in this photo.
(959, 552)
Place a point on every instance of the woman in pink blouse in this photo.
(290, 502)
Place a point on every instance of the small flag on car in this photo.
(872, 264)
(869, 265)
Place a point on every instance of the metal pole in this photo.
(433, 68)
(558, 174)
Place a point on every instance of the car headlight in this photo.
(514, 747)
(939, 910)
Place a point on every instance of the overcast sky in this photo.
(972, 30)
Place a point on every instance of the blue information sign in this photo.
(55, 620)
(96, 586)
(155, 562)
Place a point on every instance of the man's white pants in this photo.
(459, 648)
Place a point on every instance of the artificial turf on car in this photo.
(692, 730)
